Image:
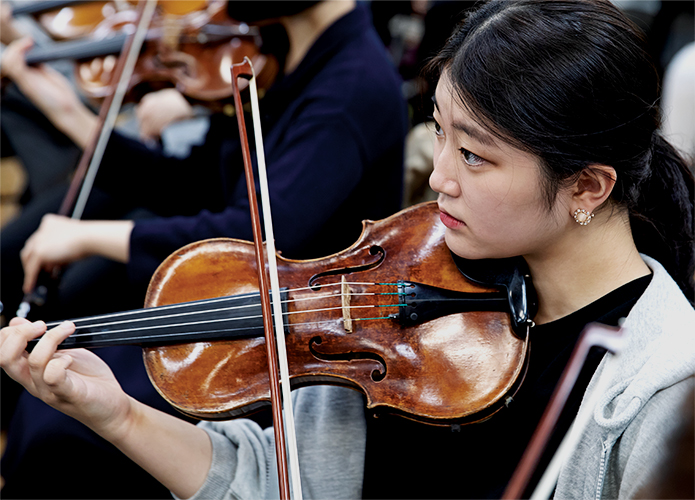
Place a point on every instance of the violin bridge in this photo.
(345, 296)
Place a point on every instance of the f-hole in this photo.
(374, 250)
(377, 375)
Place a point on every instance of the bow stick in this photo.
(113, 106)
(87, 169)
(275, 344)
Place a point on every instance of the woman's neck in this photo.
(304, 29)
(589, 263)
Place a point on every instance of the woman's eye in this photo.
(437, 128)
(471, 158)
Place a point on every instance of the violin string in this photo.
(188, 335)
(176, 315)
(222, 300)
(96, 335)
(208, 311)
(231, 320)
(222, 309)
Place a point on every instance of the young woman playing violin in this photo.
(547, 146)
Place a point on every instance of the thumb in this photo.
(56, 374)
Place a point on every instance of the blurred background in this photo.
(411, 31)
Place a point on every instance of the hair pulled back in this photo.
(572, 82)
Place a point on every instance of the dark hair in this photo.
(572, 82)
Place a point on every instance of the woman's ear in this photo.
(593, 187)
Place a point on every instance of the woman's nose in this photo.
(442, 179)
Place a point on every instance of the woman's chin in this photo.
(461, 247)
(464, 249)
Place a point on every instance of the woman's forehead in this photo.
(443, 95)
(452, 108)
(460, 118)
(448, 102)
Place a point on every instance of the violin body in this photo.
(74, 20)
(456, 368)
(200, 71)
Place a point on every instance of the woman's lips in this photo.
(449, 221)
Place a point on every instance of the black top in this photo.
(405, 459)
(334, 133)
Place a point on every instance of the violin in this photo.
(392, 316)
(69, 20)
(189, 45)
(39, 6)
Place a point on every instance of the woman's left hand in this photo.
(76, 381)
(157, 110)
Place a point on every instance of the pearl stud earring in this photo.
(582, 216)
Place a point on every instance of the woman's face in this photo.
(490, 193)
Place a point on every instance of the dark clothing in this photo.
(334, 131)
(435, 462)
(23, 126)
(334, 136)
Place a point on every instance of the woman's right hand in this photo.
(75, 382)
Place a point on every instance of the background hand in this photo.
(8, 30)
(50, 91)
(47, 88)
(159, 109)
(57, 241)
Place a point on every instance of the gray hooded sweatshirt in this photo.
(622, 451)
(627, 447)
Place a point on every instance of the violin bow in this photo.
(93, 154)
(86, 171)
(283, 417)
(593, 335)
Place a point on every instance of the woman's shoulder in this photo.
(662, 319)
(658, 346)
(663, 300)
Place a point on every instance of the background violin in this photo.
(391, 316)
(190, 45)
(69, 20)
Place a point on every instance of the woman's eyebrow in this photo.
(473, 133)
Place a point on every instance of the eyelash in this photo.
(437, 127)
(477, 160)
